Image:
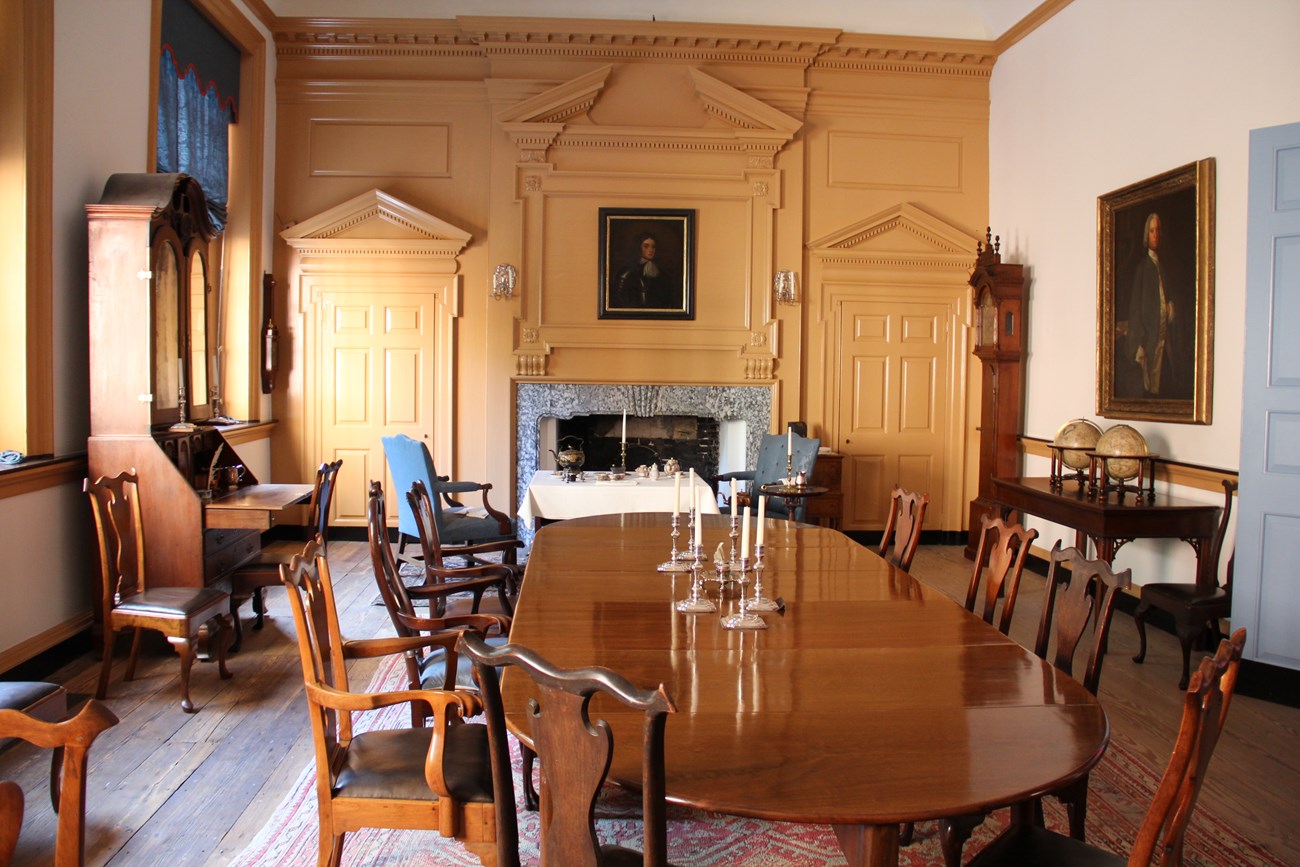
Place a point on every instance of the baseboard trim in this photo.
(20, 661)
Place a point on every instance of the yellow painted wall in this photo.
(519, 130)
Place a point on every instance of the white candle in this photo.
(695, 540)
(733, 499)
(744, 535)
(762, 508)
(625, 427)
(677, 493)
(789, 442)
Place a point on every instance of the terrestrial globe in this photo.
(1076, 438)
(1126, 442)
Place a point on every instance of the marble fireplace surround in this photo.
(535, 401)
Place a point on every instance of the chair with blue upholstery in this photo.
(458, 525)
(771, 468)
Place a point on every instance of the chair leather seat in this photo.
(21, 695)
(177, 601)
(459, 528)
(390, 764)
(1031, 846)
(434, 666)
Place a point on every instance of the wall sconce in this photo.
(503, 281)
(785, 286)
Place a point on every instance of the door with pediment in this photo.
(379, 295)
(891, 291)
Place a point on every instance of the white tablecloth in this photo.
(549, 496)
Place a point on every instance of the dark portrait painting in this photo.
(1155, 327)
(647, 263)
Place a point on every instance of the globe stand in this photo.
(1061, 471)
(1101, 482)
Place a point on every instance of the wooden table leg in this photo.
(869, 845)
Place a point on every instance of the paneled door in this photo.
(377, 379)
(894, 372)
(1265, 597)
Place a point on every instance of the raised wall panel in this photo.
(1284, 349)
(894, 161)
(351, 386)
(340, 148)
(870, 387)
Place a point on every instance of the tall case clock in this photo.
(999, 295)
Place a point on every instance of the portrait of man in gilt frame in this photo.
(647, 263)
(1155, 319)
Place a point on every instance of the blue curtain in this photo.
(194, 132)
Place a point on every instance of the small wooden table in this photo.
(792, 494)
(1112, 519)
(872, 700)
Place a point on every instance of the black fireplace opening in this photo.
(692, 440)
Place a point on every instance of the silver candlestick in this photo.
(760, 602)
(744, 618)
(697, 603)
(676, 562)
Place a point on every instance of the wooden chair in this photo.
(409, 460)
(1079, 591)
(433, 666)
(264, 571)
(1205, 708)
(70, 740)
(434, 778)
(903, 530)
(441, 580)
(1001, 557)
(575, 752)
(1195, 611)
(177, 612)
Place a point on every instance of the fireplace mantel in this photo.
(535, 401)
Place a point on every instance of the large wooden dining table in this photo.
(871, 700)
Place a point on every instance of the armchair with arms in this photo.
(771, 467)
(409, 461)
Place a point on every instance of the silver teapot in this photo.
(570, 459)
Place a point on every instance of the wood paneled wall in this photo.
(795, 148)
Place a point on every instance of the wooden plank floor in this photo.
(174, 789)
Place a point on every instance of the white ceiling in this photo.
(955, 19)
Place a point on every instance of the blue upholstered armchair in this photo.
(458, 525)
(771, 468)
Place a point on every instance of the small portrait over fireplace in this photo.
(647, 263)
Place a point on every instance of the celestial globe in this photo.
(1077, 437)
(1127, 442)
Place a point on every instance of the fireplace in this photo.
(724, 424)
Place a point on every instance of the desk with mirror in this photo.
(151, 357)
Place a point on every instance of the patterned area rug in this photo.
(1121, 789)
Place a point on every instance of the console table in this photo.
(1111, 520)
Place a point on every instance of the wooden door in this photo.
(377, 379)
(1265, 598)
(894, 372)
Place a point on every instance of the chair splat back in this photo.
(575, 751)
(115, 503)
(1000, 559)
(1078, 590)
(1205, 709)
(902, 533)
